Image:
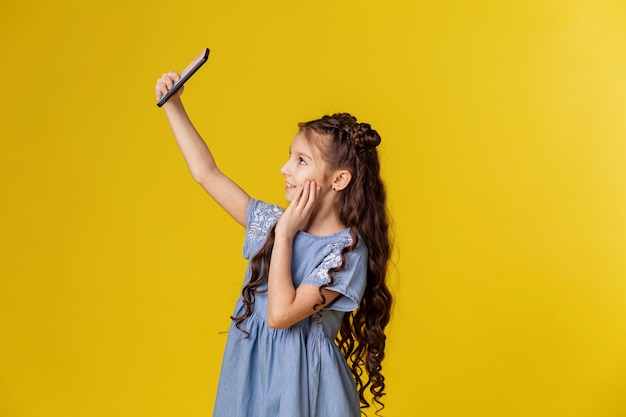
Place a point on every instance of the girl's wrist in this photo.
(283, 237)
(174, 103)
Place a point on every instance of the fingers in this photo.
(165, 83)
(299, 212)
(296, 198)
(312, 192)
(306, 196)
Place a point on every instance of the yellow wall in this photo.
(504, 150)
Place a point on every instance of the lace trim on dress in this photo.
(265, 216)
(332, 259)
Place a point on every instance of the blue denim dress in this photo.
(297, 371)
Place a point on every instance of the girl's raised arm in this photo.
(198, 156)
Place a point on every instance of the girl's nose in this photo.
(283, 169)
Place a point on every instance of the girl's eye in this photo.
(301, 161)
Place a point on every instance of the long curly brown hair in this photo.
(347, 144)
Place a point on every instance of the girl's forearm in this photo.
(281, 292)
(195, 151)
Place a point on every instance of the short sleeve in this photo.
(349, 282)
(260, 217)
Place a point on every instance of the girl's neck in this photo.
(324, 223)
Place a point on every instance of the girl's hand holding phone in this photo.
(171, 83)
(166, 83)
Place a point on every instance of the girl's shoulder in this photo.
(329, 249)
(260, 217)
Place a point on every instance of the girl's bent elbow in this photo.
(276, 322)
(204, 177)
(275, 326)
(201, 177)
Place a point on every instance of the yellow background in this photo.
(503, 125)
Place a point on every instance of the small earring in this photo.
(334, 189)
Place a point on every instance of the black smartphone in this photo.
(186, 74)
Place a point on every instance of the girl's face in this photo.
(304, 164)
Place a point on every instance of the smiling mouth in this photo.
(290, 186)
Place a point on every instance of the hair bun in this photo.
(363, 136)
(345, 127)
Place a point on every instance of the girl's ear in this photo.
(341, 179)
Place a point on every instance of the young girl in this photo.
(315, 304)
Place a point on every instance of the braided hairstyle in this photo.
(347, 144)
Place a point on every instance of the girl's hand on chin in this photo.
(298, 214)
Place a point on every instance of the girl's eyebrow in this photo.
(301, 154)
(305, 155)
